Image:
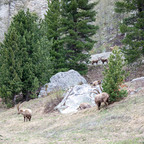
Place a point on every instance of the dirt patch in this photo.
(96, 73)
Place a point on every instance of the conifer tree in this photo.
(132, 27)
(77, 29)
(114, 75)
(52, 28)
(10, 67)
(24, 61)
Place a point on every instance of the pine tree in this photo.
(132, 27)
(24, 61)
(77, 30)
(114, 75)
(10, 67)
(52, 28)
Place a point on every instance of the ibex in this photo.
(104, 60)
(84, 106)
(95, 83)
(27, 113)
(94, 61)
(103, 97)
(111, 48)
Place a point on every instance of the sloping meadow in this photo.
(122, 122)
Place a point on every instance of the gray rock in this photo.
(62, 81)
(138, 79)
(77, 95)
(138, 82)
(133, 92)
(100, 56)
(9, 8)
(142, 62)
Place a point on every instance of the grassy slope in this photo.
(121, 123)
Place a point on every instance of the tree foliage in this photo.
(24, 61)
(114, 75)
(132, 27)
(70, 25)
(52, 29)
(77, 18)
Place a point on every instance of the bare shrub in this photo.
(56, 98)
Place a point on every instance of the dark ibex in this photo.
(104, 60)
(94, 61)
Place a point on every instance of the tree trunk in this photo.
(27, 96)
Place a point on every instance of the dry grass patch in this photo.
(120, 123)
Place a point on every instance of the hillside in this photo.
(95, 72)
(26, 64)
(106, 18)
(121, 123)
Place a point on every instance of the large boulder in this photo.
(62, 81)
(136, 85)
(77, 95)
(138, 82)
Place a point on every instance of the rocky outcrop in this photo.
(62, 81)
(77, 95)
(106, 18)
(136, 85)
(99, 57)
(108, 21)
(138, 82)
(9, 8)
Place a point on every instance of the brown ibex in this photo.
(95, 83)
(103, 97)
(84, 106)
(111, 48)
(27, 113)
(104, 60)
(94, 61)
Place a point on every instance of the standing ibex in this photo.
(27, 113)
(102, 97)
(104, 60)
(94, 61)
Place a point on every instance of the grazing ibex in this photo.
(95, 83)
(27, 113)
(84, 106)
(103, 97)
